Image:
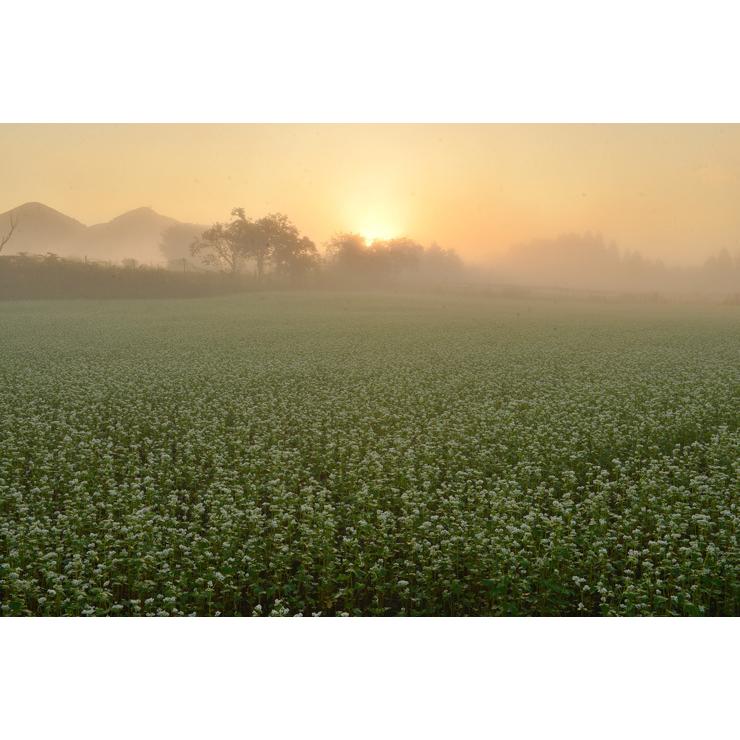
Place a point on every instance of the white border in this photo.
(389, 60)
(386, 61)
(369, 678)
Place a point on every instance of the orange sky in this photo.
(669, 191)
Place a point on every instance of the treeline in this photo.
(273, 247)
(588, 262)
(241, 255)
(270, 252)
(402, 260)
(238, 255)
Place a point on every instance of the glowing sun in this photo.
(375, 233)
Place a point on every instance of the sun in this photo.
(374, 222)
(375, 233)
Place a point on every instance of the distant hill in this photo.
(135, 235)
(40, 229)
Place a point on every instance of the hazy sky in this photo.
(669, 191)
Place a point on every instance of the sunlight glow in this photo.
(376, 233)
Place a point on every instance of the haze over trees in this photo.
(60, 257)
(273, 246)
(175, 245)
(47, 249)
(269, 242)
(590, 262)
(349, 257)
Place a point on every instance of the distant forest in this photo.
(588, 261)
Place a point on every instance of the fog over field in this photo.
(145, 238)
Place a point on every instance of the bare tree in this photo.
(5, 239)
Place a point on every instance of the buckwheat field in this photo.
(378, 454)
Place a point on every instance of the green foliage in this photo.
(282, 454)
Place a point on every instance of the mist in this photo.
(51, 253)
(668, 192)
(589, 262)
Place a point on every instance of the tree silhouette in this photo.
(218, 247)
(289, 253)
(402, 258)
(250, 240)
(348, 252)
(269, 241)
(5, 239)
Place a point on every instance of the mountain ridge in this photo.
(134, 234)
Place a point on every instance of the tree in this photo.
(5, 239)
(398, 255)
(250, 240)
(441, 262)
(304, 258)
(290, 253)
(219, 248)
(272, 240)
(348, 252)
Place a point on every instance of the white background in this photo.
(369, 678)
(385, 60)
(380, 61)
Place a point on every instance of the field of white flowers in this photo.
(285, 454)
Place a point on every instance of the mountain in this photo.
(135, 235)
(40, 229)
